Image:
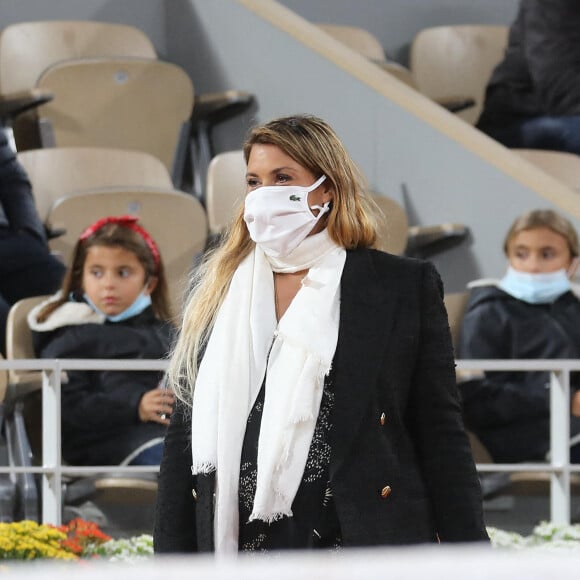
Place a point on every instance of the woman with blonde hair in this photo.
(315, 376)
(531, 313)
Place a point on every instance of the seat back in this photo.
(448, 61)
(393, 225)
(225, 188)
(138, 104)
(559, 164)
(59, 171)
(455, 303)
(19, 339)
(359, 39)
(28, 48)
(175, 220)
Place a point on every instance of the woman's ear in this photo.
(151, 284)
(328, 193)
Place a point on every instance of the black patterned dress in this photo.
(314, 523)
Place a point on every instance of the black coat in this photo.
(394, 356)
(540, 73)
(510, 411)
(100, 420)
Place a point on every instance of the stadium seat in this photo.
(447, 61)
(369, 46)
(28, 48)
(138, 104)
(225, 189)
(59, 171)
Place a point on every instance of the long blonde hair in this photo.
(313, 144)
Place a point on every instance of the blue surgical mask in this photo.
(139, 304)
(535, 288)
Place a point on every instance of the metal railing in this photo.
(558, 466)
(52, 469)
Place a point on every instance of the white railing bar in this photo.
(52, 470)
(560, 446)
(519, 364)
(532, 467)
(84, 364)
(84, 470)
(51, 446)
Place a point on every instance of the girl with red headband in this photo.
(113, 304)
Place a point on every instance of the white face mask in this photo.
(279, 217)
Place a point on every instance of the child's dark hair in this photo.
(122, 232)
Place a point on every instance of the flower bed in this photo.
(80, 539)
(545, 536)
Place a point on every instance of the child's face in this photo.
(113, 278)
(539, 251)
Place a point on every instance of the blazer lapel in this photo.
(367, 310)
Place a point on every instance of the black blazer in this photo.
(401, 468)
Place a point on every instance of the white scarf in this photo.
(232, 370)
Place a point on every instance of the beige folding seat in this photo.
(58, 171)
(19, 340)
(175, 220)
(393, 225)
(369, 46)
(138, 104)
(452, 61)
(225, 189)
(28, 48)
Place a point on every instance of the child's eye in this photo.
(97, 273)
(124, 272)
(548, 254)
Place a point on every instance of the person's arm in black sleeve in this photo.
(496, 398)
(435, 421)
(551, 44)
(175, 528)
(100, 399)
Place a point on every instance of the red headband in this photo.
(126, 221)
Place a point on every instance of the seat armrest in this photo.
(456, 104)
(216, 107)
(424, 241)
(13, 104)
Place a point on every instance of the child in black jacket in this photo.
(113, 305)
